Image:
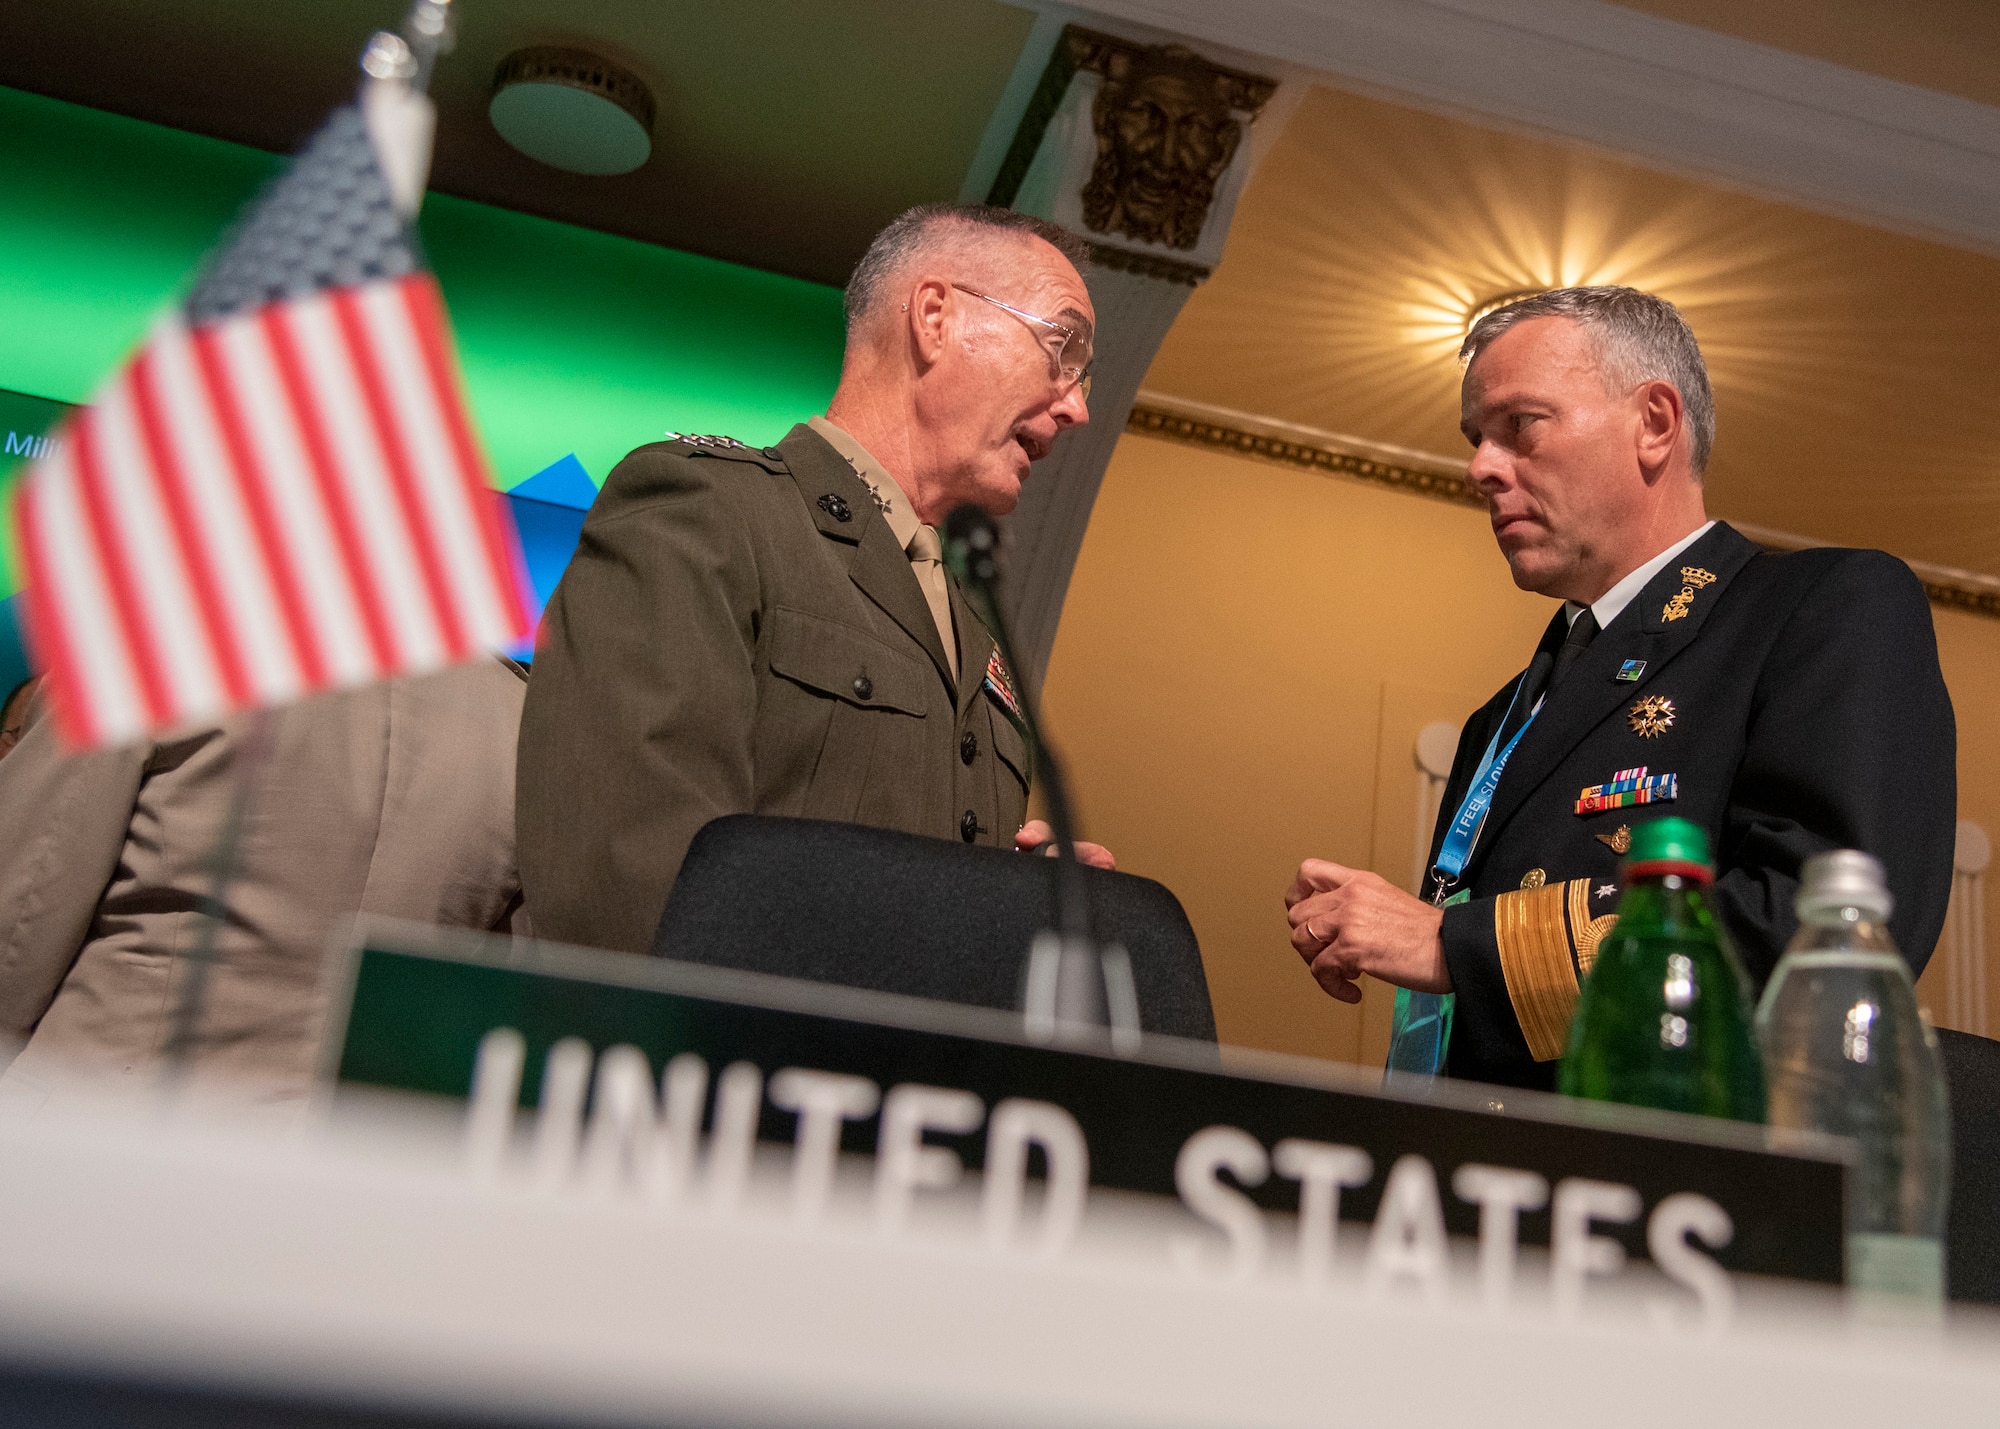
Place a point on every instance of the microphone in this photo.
(1075, 982)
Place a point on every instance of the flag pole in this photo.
(213, 910)
(396, 71)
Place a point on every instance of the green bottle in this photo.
(1664, 1020)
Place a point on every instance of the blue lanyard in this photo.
(1465, 825)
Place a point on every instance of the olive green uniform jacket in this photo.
(739, 632)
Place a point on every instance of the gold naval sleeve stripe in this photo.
(1532, 932)
(1585, 931)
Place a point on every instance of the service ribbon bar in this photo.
(1626, 788)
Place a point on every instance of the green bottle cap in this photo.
(1669, 845)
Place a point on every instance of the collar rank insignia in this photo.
(1000, 685)
(1693, 578)
(1620, 842)
(1651, 717)
(1631, 670)
(1626, 788)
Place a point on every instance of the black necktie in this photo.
(1581, 633)
(1551, 663)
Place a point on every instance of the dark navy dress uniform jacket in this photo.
(1807, 712)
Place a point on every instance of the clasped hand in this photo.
(1036, 835)
(1346, 922)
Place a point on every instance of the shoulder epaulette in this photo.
(770, 458)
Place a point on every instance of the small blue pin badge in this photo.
(1631, 669)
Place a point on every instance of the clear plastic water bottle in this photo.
(1846, 1051)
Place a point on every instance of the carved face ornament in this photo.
(1165, 134)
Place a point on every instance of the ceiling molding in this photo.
(1441, 478)
(1945, 585)
(1198, 424)
(1147, 265)
(1687, 99)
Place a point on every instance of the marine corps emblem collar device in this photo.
(1651, 716)
(836, 507)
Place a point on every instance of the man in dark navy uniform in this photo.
(1788, 703)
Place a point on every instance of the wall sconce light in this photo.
(1493, 304)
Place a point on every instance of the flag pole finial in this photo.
(398, 112)
(408, 57)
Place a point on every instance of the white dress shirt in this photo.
(1607, 607)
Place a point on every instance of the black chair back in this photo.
(924, 917)
(1972, 1233)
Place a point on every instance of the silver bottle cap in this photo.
(1845, 878)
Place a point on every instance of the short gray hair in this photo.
(915, 231)
(1639, 338)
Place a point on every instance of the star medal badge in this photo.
(1651, 716)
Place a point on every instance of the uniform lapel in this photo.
(877, 563)
(975, 645)
(1591, 692)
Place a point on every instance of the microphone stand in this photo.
(1078, 985)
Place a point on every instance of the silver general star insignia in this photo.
(1652, 716)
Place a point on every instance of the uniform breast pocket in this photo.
(866, 698)
(1012, 749)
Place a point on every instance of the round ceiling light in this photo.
(1493, 305)
(572, 110)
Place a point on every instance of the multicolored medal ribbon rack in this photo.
(1626, 788)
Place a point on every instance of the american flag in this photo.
(282, 492)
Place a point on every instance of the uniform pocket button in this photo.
(968, 827)
(968, 747)
(863, 687)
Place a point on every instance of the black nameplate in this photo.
(421, 1002)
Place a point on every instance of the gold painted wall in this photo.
(1245, 657)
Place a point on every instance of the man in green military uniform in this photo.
(772, 630)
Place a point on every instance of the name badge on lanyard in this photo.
(1463, 832)
(1420, 1032)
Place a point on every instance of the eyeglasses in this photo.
(1068, 348)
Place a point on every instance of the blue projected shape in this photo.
(560, 483)
(548, 509)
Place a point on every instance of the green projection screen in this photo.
(571, 340)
